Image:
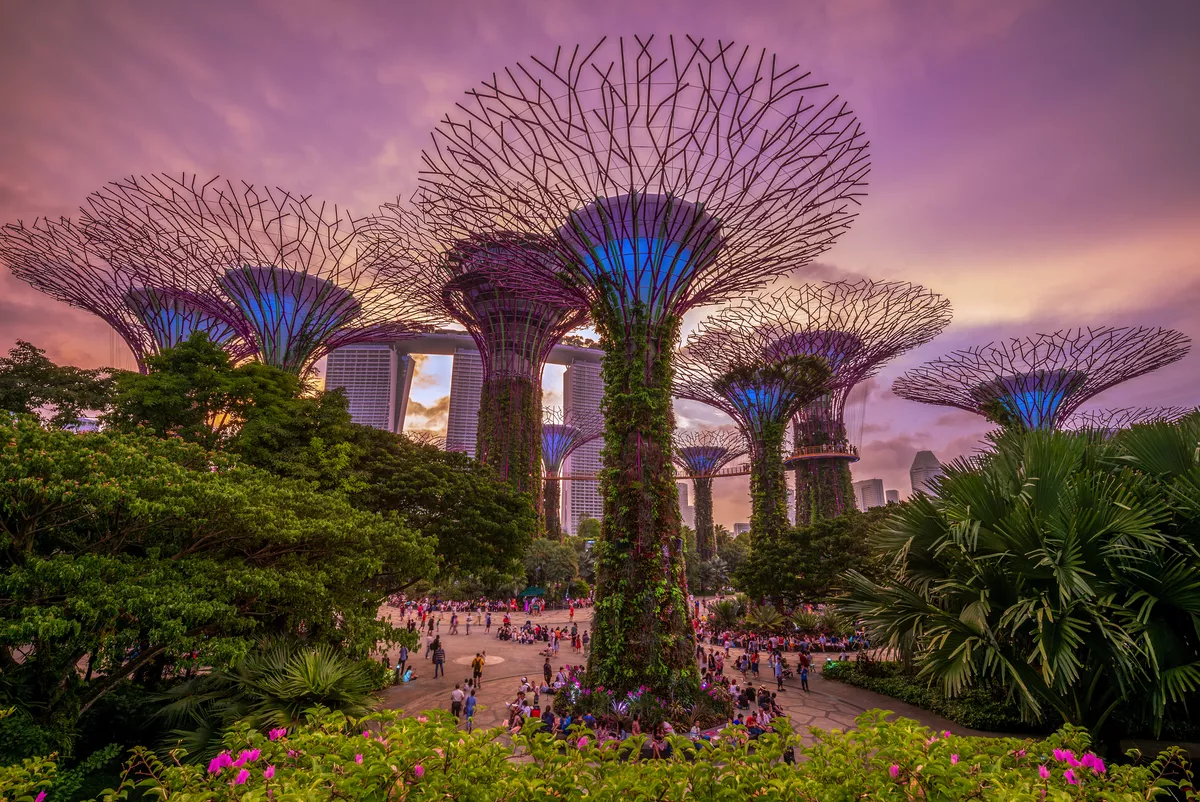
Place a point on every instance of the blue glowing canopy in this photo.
(172, 316)
(703, 459)
(1035, 398)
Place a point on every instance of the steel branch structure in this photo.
(514, 331)
(1037, 382)
(562, 434)
(671, 173)
(856, 327)
(1109, 421)
(701, 453)
(730, 362)
(301, 274)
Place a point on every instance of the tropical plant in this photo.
(726, 614)
(764, 618)
(1061, 566)
(806, 623)
(430, 758)
(271, 688)
(836, 623)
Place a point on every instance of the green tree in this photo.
(806, 564)
(32, 384)
(589, 529)
(550, 563)
(122, 554)
(584, 556)
(1062, 566)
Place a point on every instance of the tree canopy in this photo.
(32, 384)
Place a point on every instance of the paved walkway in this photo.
(829, 705)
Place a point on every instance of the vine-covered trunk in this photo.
(551, 497)
(641, 631)
(768, 485)
(509, 436)
(705, 534)
(824, 489)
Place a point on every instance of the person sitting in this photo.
(658, 745)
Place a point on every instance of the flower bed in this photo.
(428, 758)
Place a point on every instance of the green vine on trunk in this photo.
(705, 531)
(509, 435)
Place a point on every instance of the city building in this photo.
(869, 493)
(893, 496)
(741, 529)
(376, 379)
(466, 385)
(583, 390)
(687, 513)
(925, 468)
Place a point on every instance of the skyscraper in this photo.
(376, 380)
(466, 384)
(869, 493)
(583, 389)
(924, 470)
(741, 529)
(893, 496)
(687, 512)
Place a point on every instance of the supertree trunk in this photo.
(551, 496)
(824, 488)
(641, 633)
(509, 437)
(705, 533)
(768, 485)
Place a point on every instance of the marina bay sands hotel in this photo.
(376, 379)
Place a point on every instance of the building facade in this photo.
(583, 390)
(869, 493)
(687, 512)
(741, 529)
(376, 380)
(925, 469)
(893, 496)
(466, 387)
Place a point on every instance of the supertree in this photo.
(1108, 421)
(301, 274)
(701, 453)
(562, 434)
(514, 331)
(65, 260)
(673, 173)
(856, 327)
(729, 363)
(1037, 382)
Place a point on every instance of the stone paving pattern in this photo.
(828, 705)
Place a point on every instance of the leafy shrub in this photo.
(979, 708)
(389, 757)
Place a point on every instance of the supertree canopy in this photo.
(68, 262)
(856, 327)
(701, 453)
(562, 434)
(301, 275)
(672, 173)
(1037, 382)
(513, 330)
(727, 363)
(1108, 421)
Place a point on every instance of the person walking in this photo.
(456, 701)
(487, 624)
(401, 660)
(469, 710)
(477, 668)
(778, 673)
(468, 623)
(804, 677)
(439, 659)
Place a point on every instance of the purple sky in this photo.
(1035, 162)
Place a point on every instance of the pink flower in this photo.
(241, 761)
(894, 771)
(1069, 776)
(276, 734)
(1043, 772)
(946, 733)
(249, 755)
(422, 719)
(41, 796)
(241, 777)
(419, 771)
(583, 741)
(293, 753)
(269, 772)
(214, 765)
(366, 733)
(954, 760)
(358, 759)
(1020, 753)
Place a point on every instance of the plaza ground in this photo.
(828, 705)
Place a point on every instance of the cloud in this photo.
(432, 416)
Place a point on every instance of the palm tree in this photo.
(764, 618)
(271, 687)
(806, 623)
(835, 623)
(726, 614)
(1060, 566)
